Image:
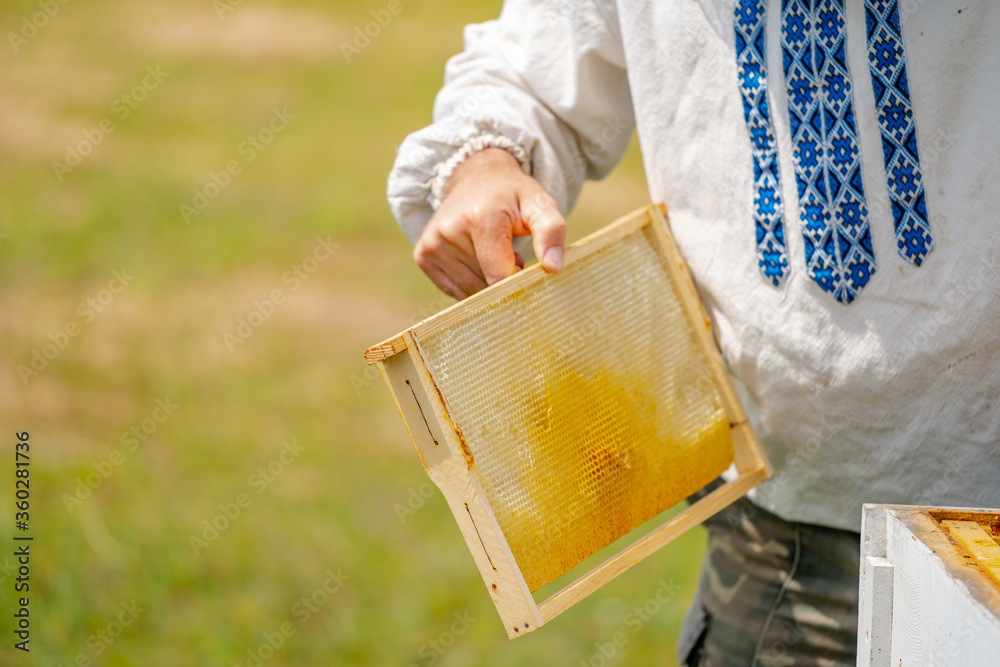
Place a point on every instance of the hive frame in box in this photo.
(930, 586)
(449, 462)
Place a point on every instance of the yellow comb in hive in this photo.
(558, 412)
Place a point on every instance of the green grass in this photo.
(299, 376)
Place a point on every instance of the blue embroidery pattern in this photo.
(772, 257)
(899, 133)
(839, 252)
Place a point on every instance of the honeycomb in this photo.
(586, 403)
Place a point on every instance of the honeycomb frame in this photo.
(431, 376)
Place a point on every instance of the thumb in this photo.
(547, 227)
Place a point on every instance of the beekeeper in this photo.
(831, 171)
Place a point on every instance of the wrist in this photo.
(488, 159)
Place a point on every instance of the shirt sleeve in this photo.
(546, 81)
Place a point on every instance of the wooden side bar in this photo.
(448, 462)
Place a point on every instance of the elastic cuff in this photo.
(444, 170)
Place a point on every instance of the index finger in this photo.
(493, 243)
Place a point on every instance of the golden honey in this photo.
(584, 406)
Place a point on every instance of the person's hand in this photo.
(468, 243)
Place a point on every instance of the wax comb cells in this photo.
(585, 405)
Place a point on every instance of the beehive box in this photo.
(930, 586)
(558, 412)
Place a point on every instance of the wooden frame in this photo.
(930, 586)
(449, 462)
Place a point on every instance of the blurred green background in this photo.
(120, 488)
